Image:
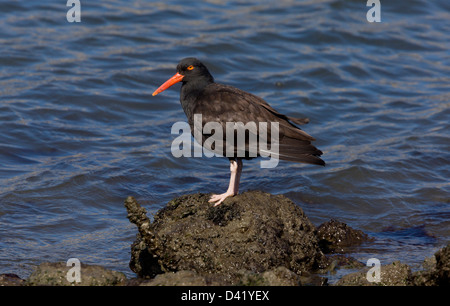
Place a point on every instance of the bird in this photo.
(221, 103)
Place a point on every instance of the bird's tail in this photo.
(302, 151)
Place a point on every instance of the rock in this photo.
(344, 262)
(253, 231)
(142, 262)
(180, 278)
(395, 274)
(280, 276)
(10, 279)
(55, 274)
(337, 237)
(255, 239)
(436, 270)
(443, 266)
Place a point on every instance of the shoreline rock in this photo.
(55, 274)
(394, 274)
(436, 272)
(253, 231)
(253, 239)
(338, 237)
(158, 254)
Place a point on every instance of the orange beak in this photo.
(173, 80)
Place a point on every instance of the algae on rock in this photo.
(253, 231)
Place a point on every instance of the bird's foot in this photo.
(217, 199)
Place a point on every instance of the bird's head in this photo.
(189, 69)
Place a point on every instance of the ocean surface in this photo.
(80, 130)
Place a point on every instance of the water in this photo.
(80, 130)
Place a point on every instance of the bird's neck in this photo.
(192, 89)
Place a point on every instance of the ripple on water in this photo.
(80, 130)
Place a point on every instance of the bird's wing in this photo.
(259, 101)
(222, 103)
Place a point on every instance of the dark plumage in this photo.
(222, 103)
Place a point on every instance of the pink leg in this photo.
(233, 187)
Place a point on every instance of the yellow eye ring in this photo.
(190, 67)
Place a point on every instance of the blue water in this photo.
(80, 130)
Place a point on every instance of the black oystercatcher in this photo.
(222, 103)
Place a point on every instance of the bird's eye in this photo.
(190, 67)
